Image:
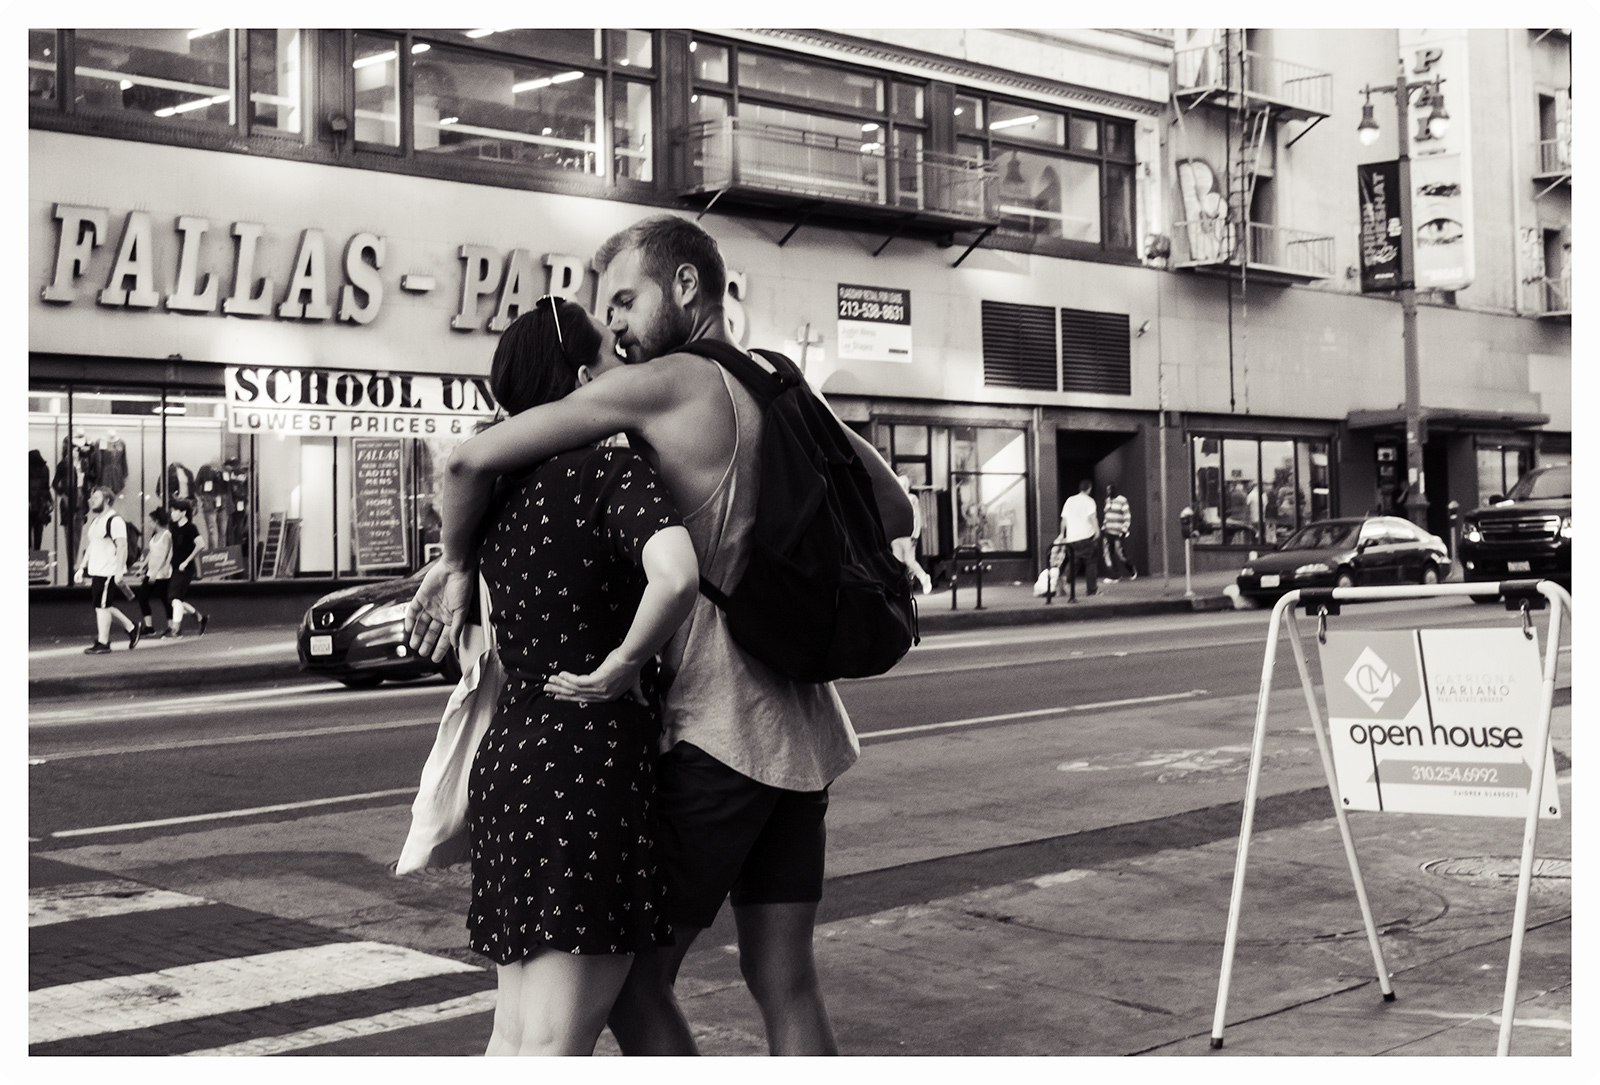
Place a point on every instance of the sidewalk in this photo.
(265, 655)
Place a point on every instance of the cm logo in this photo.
(1371, 679)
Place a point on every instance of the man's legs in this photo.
(1090, 563)
(775, 957)
(646, 1018)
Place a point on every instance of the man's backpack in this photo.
(134, 536)
(821, 597)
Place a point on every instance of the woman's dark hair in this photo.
(159, 515)
(538, 356)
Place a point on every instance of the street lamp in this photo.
(1433, 126)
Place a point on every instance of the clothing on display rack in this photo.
(236, 477)
(111, 457)
(39, 500)
(209, 498)
(178, 482)
(77, 473)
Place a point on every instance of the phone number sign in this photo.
(1437, 721)
(874, 323)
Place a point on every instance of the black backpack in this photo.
(822, 597)
(135, 538)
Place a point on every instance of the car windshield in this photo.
(1326, 536)
(1546, 482)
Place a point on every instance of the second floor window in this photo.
(183, 76)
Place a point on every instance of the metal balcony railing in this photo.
(1556, 296)
(1555, 156)
(1298, 254)
(1303, 90)
(730, 154)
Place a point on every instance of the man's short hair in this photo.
(106, 492)
(1085, 486)
(665, 242)
(183, 505)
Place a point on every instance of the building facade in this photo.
(267, 267)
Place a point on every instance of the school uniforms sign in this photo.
(346, 403)
(1436, 721)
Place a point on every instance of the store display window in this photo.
(268, 506)
(971, 482)
(1257, 491)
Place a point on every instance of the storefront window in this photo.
(1258, 491)
(275, 80)
(631, 133)
(1499, 467)
(508, 111)
(377, 90)
(988, 469)
(42, 65)
(178, 75)
(631, 48)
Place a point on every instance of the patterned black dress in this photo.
(561, 807)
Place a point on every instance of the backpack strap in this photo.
(765, 386)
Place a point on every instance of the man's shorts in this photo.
(100, 590)
(178, 585)
(722, 833)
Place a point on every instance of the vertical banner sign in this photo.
(874, 324)
(379, 521)
(1379, 188)
(1441, 166)
(1437, 721)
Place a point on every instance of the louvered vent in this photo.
(1094, 352)
(1019, 346)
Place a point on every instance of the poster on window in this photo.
(874, 324)
(380, 536)
(224, 562)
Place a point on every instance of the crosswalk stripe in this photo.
(481, 1002)
(96, 900)
(186, 992)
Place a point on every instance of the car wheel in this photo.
(1345, 580)
(1430, 573)
(363, 681)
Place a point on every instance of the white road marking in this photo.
(465, 1006)
(192, 818)
(95, 900)
(1057, 711)
(228, 986)
(322, 695)
(150, 645)
(1492, 1018)
(1076, 655)
(229, 740)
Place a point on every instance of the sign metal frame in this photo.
(1559, 601)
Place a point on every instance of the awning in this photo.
(1449, 418)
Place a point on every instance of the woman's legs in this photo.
(556, 1003)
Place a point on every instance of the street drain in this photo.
(1549, 875)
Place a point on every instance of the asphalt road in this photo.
(109, 763)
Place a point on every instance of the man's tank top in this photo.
(788, 734)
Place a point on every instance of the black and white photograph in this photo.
(909, 541)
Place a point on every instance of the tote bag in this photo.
(438, 835)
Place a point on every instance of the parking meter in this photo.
(1186, 522)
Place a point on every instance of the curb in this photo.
(286, 672)
(962, 620)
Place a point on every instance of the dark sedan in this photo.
(357, 636)
(1345, 554)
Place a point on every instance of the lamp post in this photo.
(1433, 126)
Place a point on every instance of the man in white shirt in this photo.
(104, 559)
(1080, 530)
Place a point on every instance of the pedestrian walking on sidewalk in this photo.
(187, 546)
(157, 574)
(747, 754)
(1080, 530)
(103, 559)
(1118, 524)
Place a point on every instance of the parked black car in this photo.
(357, 636)
(1526, 534)
(1345, 554)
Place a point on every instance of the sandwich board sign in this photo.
(1437, 721)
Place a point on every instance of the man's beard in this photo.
(671, 331)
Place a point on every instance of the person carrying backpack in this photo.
(103, 559)
(748, 750)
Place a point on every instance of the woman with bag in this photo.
(588, 571)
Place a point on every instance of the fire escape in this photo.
(1253, 93)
